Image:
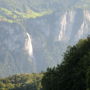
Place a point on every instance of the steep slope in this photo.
(34, 35)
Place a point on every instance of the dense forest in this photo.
(72, 74)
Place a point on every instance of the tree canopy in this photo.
(74, 72)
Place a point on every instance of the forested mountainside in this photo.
(22, 82)
(33, 36)
(74, 72)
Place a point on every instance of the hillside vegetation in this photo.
(22, 82)
(74, 72)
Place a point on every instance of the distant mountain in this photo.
(35, 33)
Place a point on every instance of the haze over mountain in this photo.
(35, 33)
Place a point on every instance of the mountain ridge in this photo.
(33, 44)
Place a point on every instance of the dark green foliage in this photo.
(22, 82)
(73, 73)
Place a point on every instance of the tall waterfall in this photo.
(81, 31)
(28, 44)
(66, 25)
(87, 14)
(84, 26)
(29, 49)
(63, 27)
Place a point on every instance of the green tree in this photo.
(72, 73)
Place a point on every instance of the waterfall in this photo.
(66, 25)
(29, 49)
(84, 27)
(81, 31)
(28, 44)
(87, 14)
(63, 27)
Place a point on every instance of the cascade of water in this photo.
(84, 26)
(63, 27)
(29, 49)
(81, 31)
(87, 14)
(66, 25)
(28, 44)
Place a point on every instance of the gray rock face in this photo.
(33, 43)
